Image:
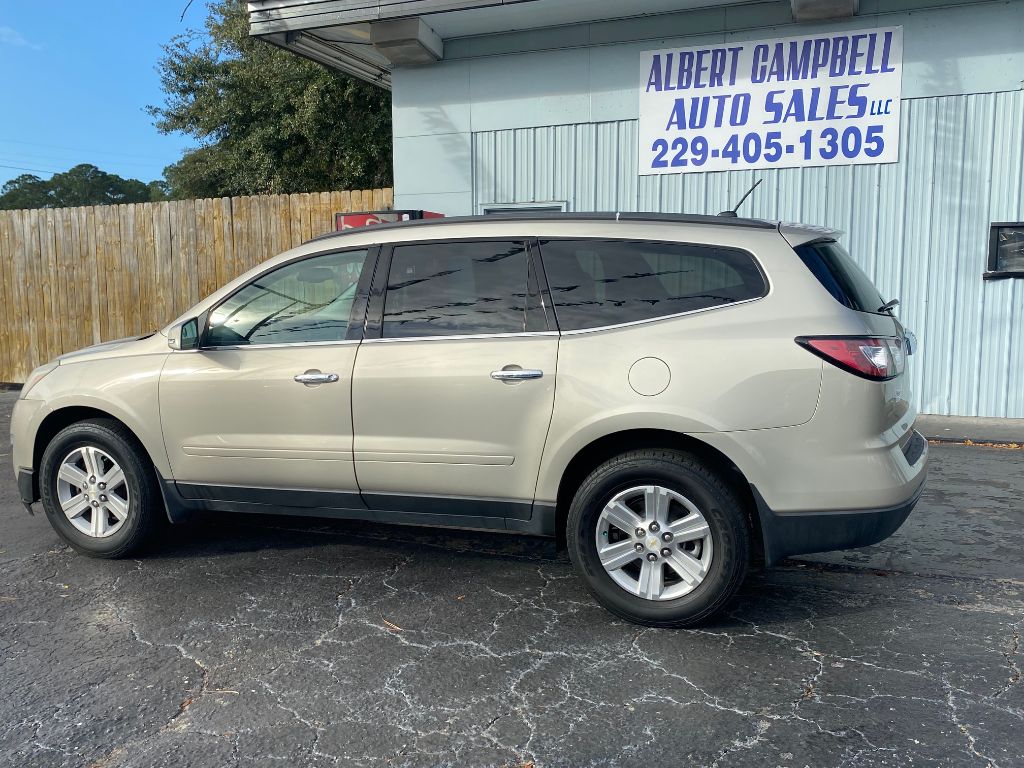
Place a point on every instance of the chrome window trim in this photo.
(280, 345)
(462, 337)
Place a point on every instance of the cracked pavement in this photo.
(285, 641)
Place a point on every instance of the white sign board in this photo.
(827, 99)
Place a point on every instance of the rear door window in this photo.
(840, 275)
(461, 288)
(597, 283)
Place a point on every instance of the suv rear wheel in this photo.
(658, 538)
(98, 489)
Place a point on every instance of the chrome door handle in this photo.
(311, 378)
(516, 374)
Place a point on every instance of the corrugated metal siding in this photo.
(919, 227)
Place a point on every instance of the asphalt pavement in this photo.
(282, 641)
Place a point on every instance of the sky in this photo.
(75, 79)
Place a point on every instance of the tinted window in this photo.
(306, 301)
(606, 282)
(840, 275)
(448, 289)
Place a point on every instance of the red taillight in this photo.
(872, 357)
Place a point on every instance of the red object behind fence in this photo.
(369, 218)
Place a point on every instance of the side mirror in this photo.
(184, 335)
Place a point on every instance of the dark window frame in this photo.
(993, 272)
(765, 279)
(374, 324)
(357, 317)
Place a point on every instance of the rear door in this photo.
(454, 383)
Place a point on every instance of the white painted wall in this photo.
(587, 74)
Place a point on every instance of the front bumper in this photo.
(25, 419)
(800, 533)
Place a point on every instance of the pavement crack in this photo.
(743, 745)
(1011, 653)
(964, 728)
(204, 671)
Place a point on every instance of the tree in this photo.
(158, 190)
(83, 184)
(25, 191)
(88, 185)
(268, 121)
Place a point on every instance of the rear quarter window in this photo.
(840, 275)
(597, 283)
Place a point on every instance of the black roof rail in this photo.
(527, 215)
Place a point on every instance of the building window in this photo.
(497, 209)
(1005, 251)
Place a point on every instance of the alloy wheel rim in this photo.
(654, 542)
(93, 492)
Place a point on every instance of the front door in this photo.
(261, 413)
(451, 404)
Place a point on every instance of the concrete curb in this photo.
(959, 429)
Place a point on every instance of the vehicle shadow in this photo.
(791, 592)
(237, 532)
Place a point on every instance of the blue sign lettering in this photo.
(810, 100)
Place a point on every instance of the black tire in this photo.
(718, 503)
(145, 504)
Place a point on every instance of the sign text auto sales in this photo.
(797, 101)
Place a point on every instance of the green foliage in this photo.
(25, 191)
(82, 185)
(269, 122)
(158, 190)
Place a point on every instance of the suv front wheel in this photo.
(98, 489)
(658, 538)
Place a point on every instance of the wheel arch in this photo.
(65, 416)
(603, 448)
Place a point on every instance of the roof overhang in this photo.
(365, 38)
(369, 38)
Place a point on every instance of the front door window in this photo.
(302, 302)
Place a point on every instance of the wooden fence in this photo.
(71, 277)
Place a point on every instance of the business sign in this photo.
(827, 99)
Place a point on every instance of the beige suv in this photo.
(678, 396)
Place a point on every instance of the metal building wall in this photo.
(918, 227)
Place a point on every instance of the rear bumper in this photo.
(800, 533)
